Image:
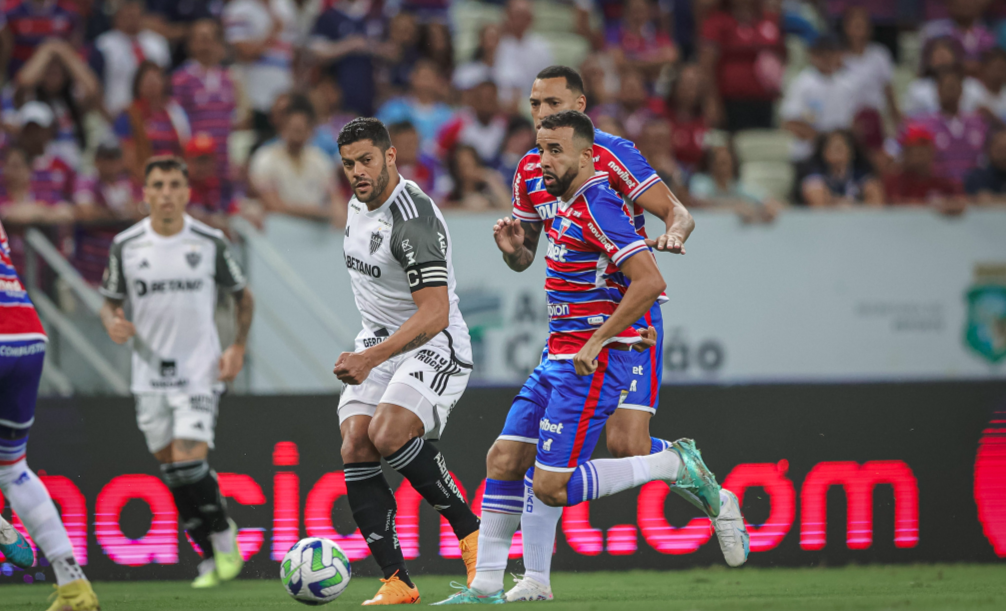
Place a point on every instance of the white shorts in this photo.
(163, 417)
(428, 382)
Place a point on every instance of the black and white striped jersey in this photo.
(397, 249)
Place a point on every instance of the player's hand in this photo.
(120, 329)
(231, 362)
(669, 242)
(585, 361)
(649, 335)
(509, 235)
(352, 367)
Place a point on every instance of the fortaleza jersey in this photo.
(171, 283)
(589, 238)
(18, 320)
(393, 251)
(627, 170)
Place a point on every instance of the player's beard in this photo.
(378, 187)
(559, 185)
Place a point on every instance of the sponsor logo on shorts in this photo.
(547, 446)
(550, 427)
(28, 350)
(432, 359)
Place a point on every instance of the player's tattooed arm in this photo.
(414, 343)
(245, 302)
(518, 241)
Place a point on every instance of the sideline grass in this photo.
(914, 588)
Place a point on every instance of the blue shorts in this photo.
(578, 408)
(20, 373)
(528, 407)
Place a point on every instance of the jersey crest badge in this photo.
(193, 258)
(375, 241)
(563, 227)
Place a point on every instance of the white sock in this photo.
(538, 528)
(31, 502)
(495, 535)
(222, 541)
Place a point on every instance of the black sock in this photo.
(424, 466)
(206, 493)
(188, 509)
(374, 510)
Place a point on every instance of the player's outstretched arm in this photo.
(431, 317)
(233, 358)
(646, 285)
(518, 241)
(659, 201)
(114, 320)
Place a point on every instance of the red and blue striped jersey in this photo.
(627, 170)
(208, 97)
(588, 239)
(18, 319)
(52, 179)
(32, 23)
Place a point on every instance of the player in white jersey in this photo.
(169, 266)
(412, 359)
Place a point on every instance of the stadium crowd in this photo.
(751, 105)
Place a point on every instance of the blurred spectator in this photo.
(959, 135)
(427, 10)
(173, 19)
(154, 124)
(521, 55)
(345, 39)
(639, 43)
(206, 91)
(18, 201)
(435, 44)
(655, 143)
(918, 181)
(262, 33)
(326, 97)
(869, 64)
(743, 47)
(26, 24)
(483, 63)
(399, 54)
(884, 17)
(838, 176)
(57, 77)
(820, 99)
(635, 108)
(987, 183)
(921, 97)
(210, 199)
(421, 106)
(294, 177)
(119, 52)
(479, 124)
(108, 193)
(966, 28)
(992, 77)
(684, 109)
(520, 138)
(600, 82)
(475, 187)
(718, 185)
(415, 165)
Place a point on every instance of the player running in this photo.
(559, 88)
(22, 353)
(169, 266)
(413, 357)
(601, 278)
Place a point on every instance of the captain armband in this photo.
(425, 275)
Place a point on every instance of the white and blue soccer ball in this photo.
(315, 571)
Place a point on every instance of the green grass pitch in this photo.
(912, 588)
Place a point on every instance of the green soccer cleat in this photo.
(694, 477)
(208, 577)
(465, 596)
(15, 547)
(229, 564)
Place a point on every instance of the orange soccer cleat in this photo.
(394, 592)
(469, 553)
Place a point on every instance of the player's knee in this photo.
(387, 439)
(506, 461)
(623, 446)
(358, 449)
(550, 493)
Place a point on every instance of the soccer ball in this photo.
(315, 571)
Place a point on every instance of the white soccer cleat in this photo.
(735, 543)
(528, 590)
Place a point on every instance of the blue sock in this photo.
(582, 486)
(503, 496)
(658, 445)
